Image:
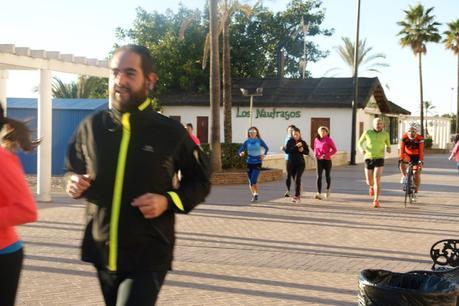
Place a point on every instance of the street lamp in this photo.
(356, 87)
(258, 93)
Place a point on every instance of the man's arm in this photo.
(361, 141)
(195, 183)
(402, 149)
(76, 179)
(388, 145)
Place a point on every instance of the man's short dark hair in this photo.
(146, 60)
(189, 125)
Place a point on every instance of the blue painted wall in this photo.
(67, 115)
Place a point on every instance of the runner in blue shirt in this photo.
(256, 150)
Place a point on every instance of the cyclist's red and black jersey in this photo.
(412, 146)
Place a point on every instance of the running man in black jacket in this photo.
(122, 162)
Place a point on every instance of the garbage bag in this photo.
(386, 288)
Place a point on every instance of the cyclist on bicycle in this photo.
(412, 150)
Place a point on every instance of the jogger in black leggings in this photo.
(296, 148)
(11, 266)
(17, 205)
(323, 164)
(324, 148)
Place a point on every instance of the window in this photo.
(391, 126)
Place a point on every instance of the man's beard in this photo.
(129, 103)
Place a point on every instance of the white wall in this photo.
(439, 128)
(273, 131)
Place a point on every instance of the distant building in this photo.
(67, 115)
(307, 103)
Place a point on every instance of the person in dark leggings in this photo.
(139, 288)
(288, 180)
(324, 149)
(256, 150)
(17, 205)
(296, 149)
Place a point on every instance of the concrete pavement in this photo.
(274, 252)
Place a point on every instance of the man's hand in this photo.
(77, 184)
(388, 150)
(241, 154)
(151, 205)
(262, 156)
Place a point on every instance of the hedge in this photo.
(428, 142)
(230, 156)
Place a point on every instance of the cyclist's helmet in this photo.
(412, 127)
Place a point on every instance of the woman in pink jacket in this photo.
(324, 148)
(455, 153)
(17, 205)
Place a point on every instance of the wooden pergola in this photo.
(21, 58)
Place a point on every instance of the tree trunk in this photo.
(227, 103)
(214, 87)
(421, 93)
(457, 92)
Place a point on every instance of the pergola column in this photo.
(45, 135)
(3, 79)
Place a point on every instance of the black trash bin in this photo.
(386, 288)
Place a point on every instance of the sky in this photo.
(87, 28)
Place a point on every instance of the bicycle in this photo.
(409, 186)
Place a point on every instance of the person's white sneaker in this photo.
(327, 194)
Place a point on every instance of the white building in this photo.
(438, 128)
(307, 104)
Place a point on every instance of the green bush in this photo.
(428, 142)
(230, 157)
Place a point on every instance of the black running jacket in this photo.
(128, 155)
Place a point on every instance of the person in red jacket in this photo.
(17, 205)
(412, 150)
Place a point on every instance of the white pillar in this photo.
(3, 78)
(45, 134)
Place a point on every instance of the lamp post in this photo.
(356, 87)
(258, 93)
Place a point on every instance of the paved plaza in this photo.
(232, 252)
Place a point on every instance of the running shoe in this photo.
(318, 196)
(287, 194)
(327, 194)
(255, 196)
(371, 191)
(376, 203)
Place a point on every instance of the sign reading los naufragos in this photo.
(273, 114)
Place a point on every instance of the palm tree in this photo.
(346, 52)
(451, 42)
(214, 86)
(228, 10)
(86, 87)
(225, 13)
(428, 107)
(419, 28)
